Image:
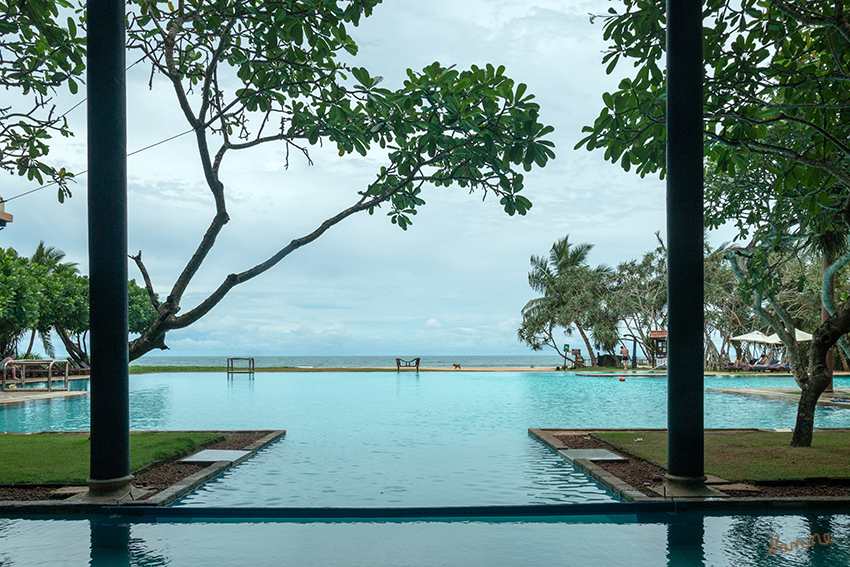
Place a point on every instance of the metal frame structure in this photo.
(23, 379)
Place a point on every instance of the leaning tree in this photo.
(249, 73)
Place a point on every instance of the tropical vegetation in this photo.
(605, 306)
(40, 54)
(572, 299)
(775, 105)
(42, 296)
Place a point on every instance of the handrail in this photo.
(22, 364)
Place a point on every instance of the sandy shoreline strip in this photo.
(408, 369)
(183, 369)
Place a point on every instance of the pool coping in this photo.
(15, 397)
(618, 487)
(781, 394)
(162, 498)
(630, 495)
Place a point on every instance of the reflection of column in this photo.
(110, 543)
(685, 536)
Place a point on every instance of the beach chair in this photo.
(406, 363)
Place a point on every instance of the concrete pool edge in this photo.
(630, 495)
(781, 394)
(23, 396)
(484, 513)
(162, 498)
(619, 488)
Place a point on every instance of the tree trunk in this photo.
(78, 355)
(32, 342)
(587, 342)
(844, 366)
(820, 374)
(812, 389)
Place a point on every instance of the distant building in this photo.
(4, 216)
(659, 352)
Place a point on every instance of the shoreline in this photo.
(605, 371)
(153, 369)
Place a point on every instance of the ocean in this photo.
(466, 361)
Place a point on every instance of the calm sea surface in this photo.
(476, 361)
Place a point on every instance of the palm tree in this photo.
(571, 291)
(51, 258)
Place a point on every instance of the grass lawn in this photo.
(749, 455)
(64, 457)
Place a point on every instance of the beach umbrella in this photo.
(799, 335)
(753, 337)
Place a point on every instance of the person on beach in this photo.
(624, 354)
(763, 361)
(12, 367)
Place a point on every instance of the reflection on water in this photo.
(685, 540)
(642, 540)
(751, 541)
(151, 407)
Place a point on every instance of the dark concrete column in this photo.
(685, 444)
(107, 209)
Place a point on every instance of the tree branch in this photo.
(148, 285)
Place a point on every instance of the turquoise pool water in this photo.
(642, 540)
(388, 439)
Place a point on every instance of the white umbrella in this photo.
(799, 335)
(753, 337)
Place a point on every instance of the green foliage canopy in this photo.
(21, 294)
(38, 54)
(771, 66)
(39, 296)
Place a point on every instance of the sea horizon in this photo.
(374, 361)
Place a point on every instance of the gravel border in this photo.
(156, 478)
(641, 474)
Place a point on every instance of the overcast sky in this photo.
(454, 283)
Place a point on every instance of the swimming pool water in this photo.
(388, 439)
(642, 540)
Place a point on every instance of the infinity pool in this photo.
(428, 439)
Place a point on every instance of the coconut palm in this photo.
(572, 296)
(50, 258)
